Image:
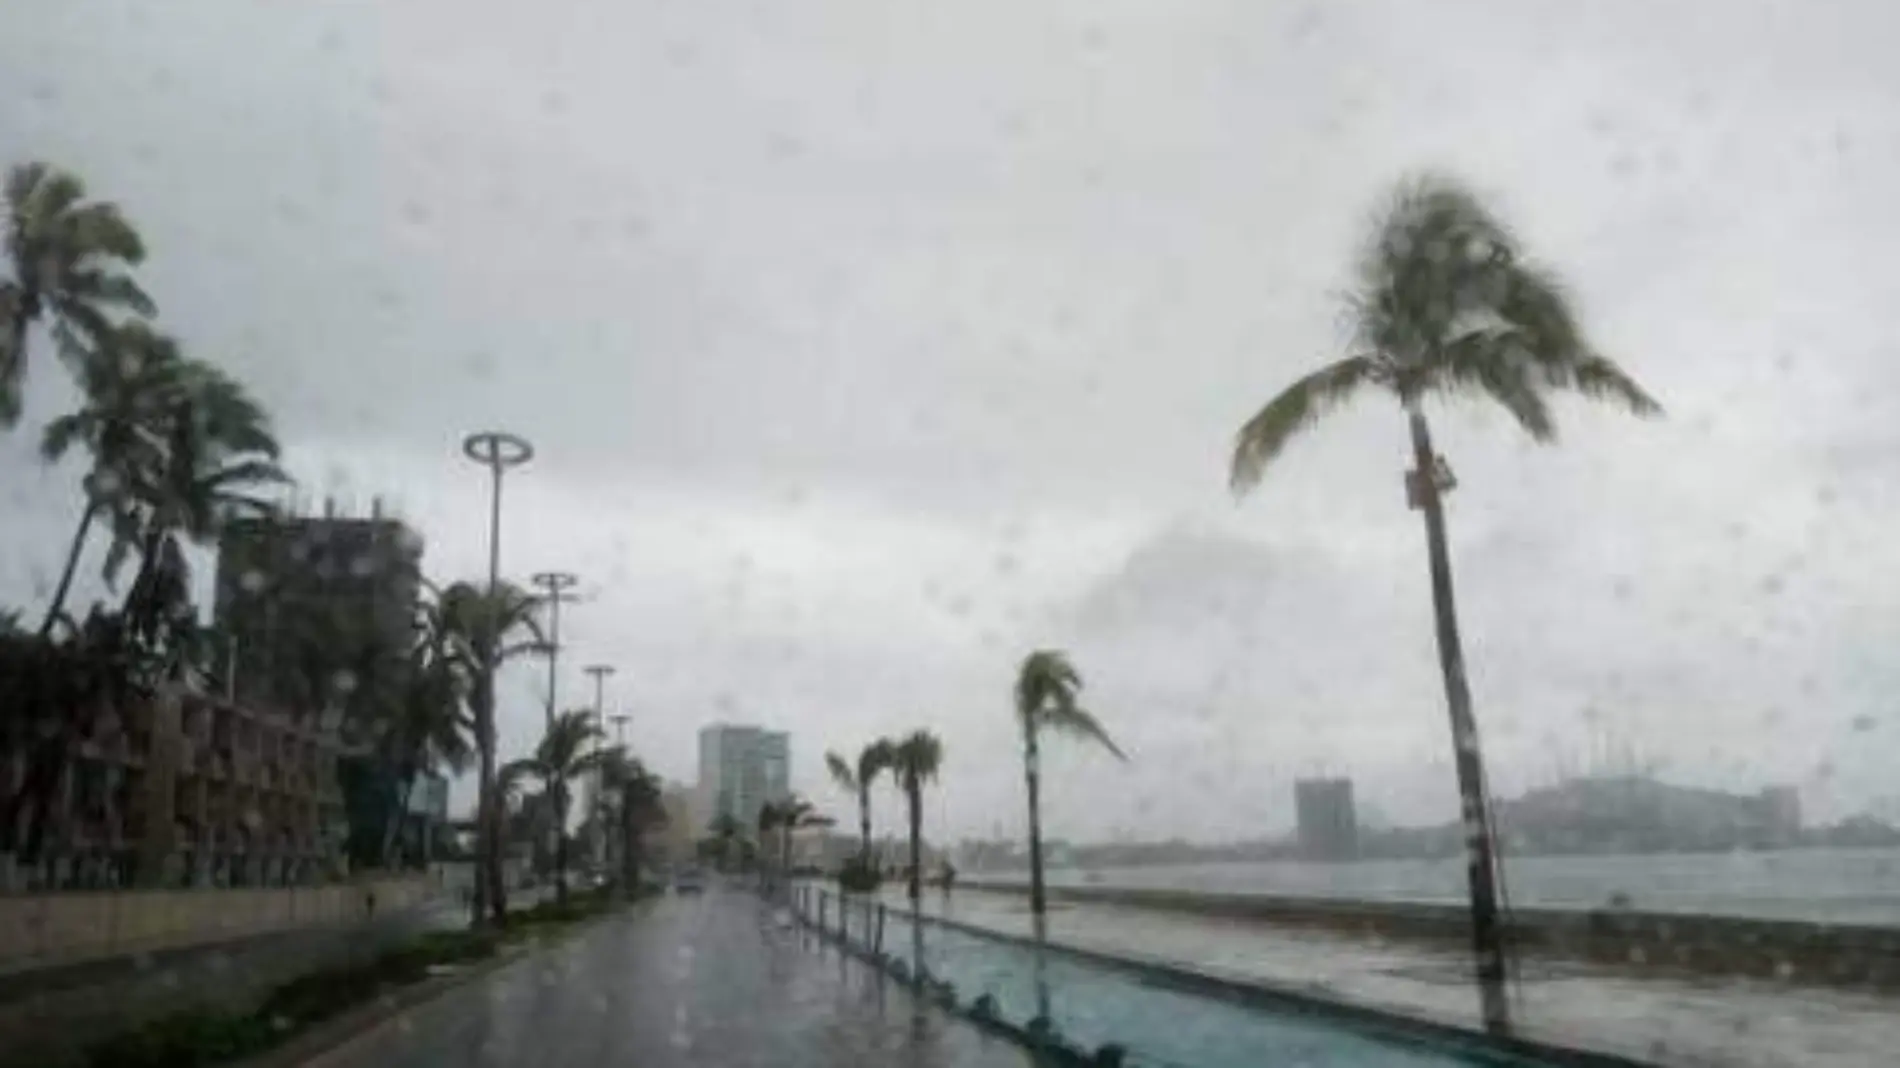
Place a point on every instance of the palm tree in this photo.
(1445, 304)
(873, 760)
(126, 382)
(1046, 689)
(67, 256)
(638, 807)
(218, 452)
(427, 728)
(784, 817)
(914, 761)
(485, 629)
(565, 751)
(728, 833)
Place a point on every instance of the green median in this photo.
(203, 1037)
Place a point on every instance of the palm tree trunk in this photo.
(914, 792)
(72, 563)
(1487, 934)
(393, 826)
(490, 891)
(1038, 903)
(560, 838)
(864, 823)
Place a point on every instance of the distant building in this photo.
(1638, 814)
(740, 769)
(299, 594)
(1328, 824)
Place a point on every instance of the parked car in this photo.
(689, 882)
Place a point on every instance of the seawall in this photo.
(1789, 951)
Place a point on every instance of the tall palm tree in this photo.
(873, 760)
(565, 751)
(427, 728)
(68, 257)
(487, 628)
(915, 760)
(126, 382)
(1046, 688)
(1446, 304)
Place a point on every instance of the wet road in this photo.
(709, 980)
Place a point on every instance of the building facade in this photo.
(185, 789)
(1328, 823)
(741, 768)
(301, 597)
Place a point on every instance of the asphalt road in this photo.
(718, 979)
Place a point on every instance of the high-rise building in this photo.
(740, 769)
(299, 597)
(1328, 825)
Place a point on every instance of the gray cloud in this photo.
(866, 345)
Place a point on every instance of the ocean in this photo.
(1830, 885)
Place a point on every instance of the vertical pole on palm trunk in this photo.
(1426, 484)
(600, 673)
(1032, 774)
(556, 583)
(498, 451)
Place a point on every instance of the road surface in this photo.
(714, 979)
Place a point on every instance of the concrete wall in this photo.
(38, 930)
(49, 1015)
(1789, 951)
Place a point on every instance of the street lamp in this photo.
(498, 451)
(600, 672)
(620, 729)
(556, 583)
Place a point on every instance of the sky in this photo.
(867, 345)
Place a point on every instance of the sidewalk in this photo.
(1670, 1021)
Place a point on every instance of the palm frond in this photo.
(1075, 721)
(1297, 408)
(1598, 378)
(917, 759)
(841, 772)
(1497, 363)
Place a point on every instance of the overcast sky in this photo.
(867, 345)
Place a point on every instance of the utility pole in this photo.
(601, 673)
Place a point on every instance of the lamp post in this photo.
(556, 583)
(601, 673)
(498, 451)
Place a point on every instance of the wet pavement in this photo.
(718, 979)
(1668, 1020)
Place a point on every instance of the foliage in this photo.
(1446, 304)
(201, 1037)
(1047, 686)
(67, 256)
(860, 875)
(873, 760)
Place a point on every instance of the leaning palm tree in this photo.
(1445, 304)
(1046, 689)
(915, 761)
(873, 760)
(126, 382)
(567, 749)
(487, 628)
(218, 456)
(68, 257)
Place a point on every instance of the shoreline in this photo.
(1860, 956)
